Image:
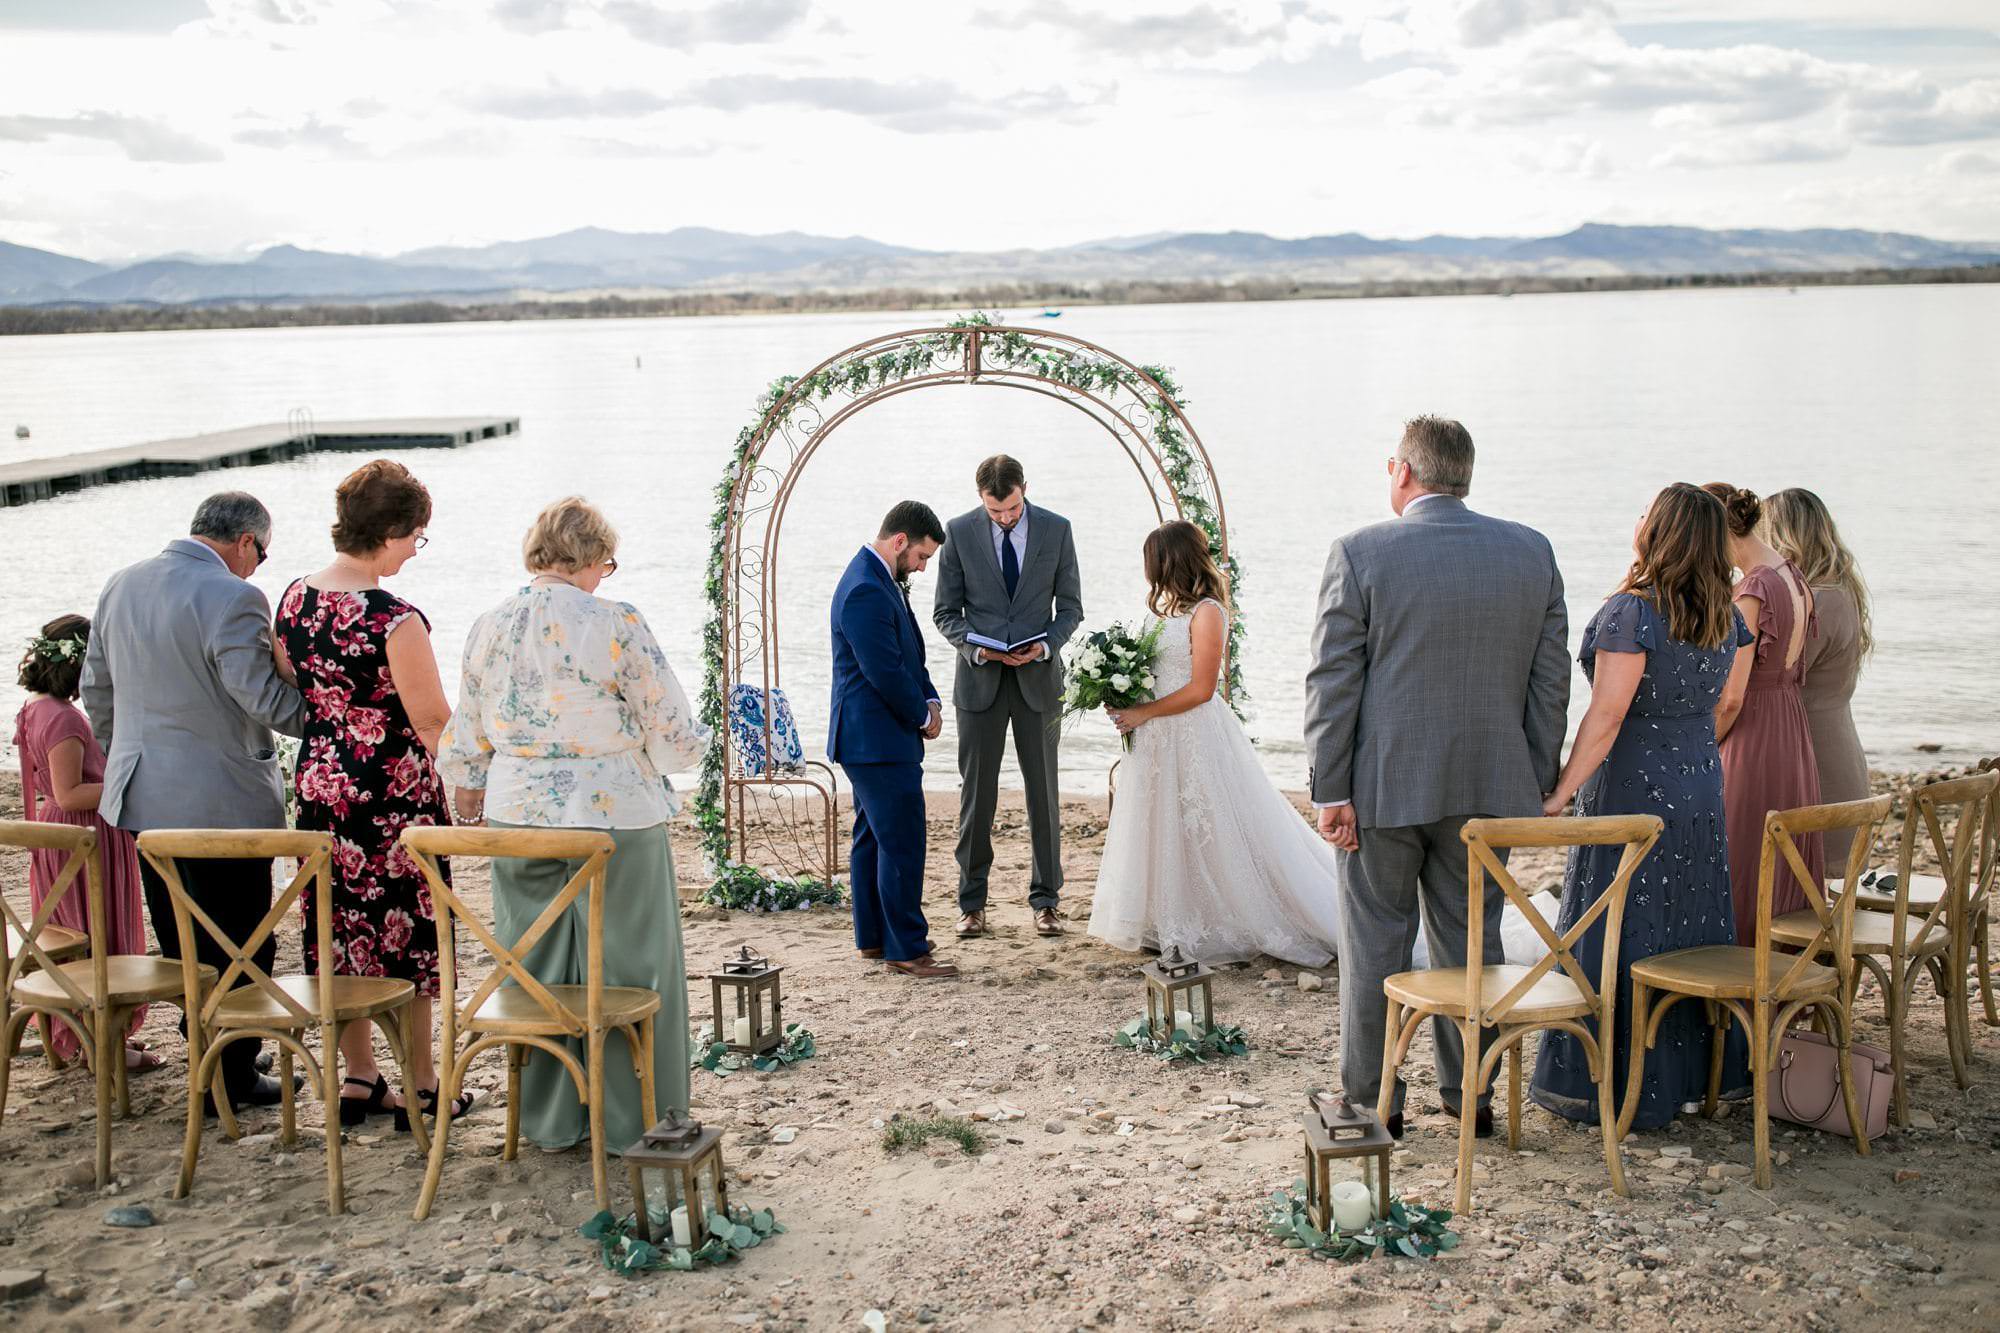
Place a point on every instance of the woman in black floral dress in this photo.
(374, 709)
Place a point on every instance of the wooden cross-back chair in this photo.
(512, 1008)
(276, 1009)
(92, 995)
(1902, 944)
(59, 944)
(1763, 991)
(1554, 994)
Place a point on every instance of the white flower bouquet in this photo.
(1112, 668)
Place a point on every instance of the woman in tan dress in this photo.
(1798, 527)
(1767, 752)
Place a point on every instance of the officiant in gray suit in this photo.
(1008, 577)
(1438, 692)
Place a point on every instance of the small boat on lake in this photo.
(20, 432)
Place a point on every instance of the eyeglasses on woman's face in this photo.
(418, 541)
(610, 565)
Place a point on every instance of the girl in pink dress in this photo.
(62, 777)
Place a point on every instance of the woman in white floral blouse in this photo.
(569, 717)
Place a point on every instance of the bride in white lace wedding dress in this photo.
(1203, 851)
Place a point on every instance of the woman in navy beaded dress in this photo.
(1658, 654)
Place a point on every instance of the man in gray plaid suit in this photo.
(1438, 693)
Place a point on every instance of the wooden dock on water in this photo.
(44, 478)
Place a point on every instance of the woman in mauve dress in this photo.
(62, 778)
(1767, 748)
(1798, 526)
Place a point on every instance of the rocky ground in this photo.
(1113, 1191)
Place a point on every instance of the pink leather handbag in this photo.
(1807, 1088)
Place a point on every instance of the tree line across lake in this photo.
(64, 318)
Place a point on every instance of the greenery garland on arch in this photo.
(740, 886)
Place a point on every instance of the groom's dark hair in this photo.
(915, 520)
(999, 476)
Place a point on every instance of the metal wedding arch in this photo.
(770, 834)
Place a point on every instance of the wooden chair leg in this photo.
(1385, 1101)
(1607, 1075)
(200, 1076)
(1843, 1022)
(288, 1110)
(1468, 1108)
(1895, 1005)
(47, 1025)
(649, 1101)
(121, 1023)
(396, 1029)
(1985, 960)
(329, 1091)
(450, 1076)
(1719, 1022)
(516, 1057)
(109, 1052)
(1760, 1092)
(1948, 975)
(12, 1024)
(218, 1090)
(598, 1164)
(1514, 1096)
(1635, 1062)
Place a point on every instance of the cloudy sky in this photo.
(141, 127)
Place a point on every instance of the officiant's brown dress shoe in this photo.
(926, 968)
(972, 925)
(1047, 922)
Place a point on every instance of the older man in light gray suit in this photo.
(183, 694)
(1008, 573)
(1438, 693)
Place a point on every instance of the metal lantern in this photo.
(756, 1023)
(683, 1152)
(1335, 1129)
(1179, 993)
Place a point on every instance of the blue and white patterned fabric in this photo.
(746, 731)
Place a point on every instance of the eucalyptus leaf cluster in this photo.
(718, 1059)
(621, 1251)
(1410, 1231)
(1214, 1042)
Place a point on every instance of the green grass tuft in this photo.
(903, 1134)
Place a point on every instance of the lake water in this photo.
(1882, 399)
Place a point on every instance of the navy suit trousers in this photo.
(886, 867)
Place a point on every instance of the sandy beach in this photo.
(1067, 1219)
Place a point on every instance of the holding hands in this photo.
(1338, 826)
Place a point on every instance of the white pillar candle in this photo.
(1183, 1021)
(1352, 1208)
(683, 1235)
(742, 1032)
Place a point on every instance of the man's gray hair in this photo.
(227, 516)
(1439, 452)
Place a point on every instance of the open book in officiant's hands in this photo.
(993, 645)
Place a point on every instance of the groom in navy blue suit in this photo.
(884, 709)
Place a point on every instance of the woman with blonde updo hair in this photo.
(1798, 526)
(569, 717)
(1767, 748)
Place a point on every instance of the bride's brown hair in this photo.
(1181, 569)
(1681, 564)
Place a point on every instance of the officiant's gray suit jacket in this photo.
(1439, 684)
(972, 598)
(182, 693)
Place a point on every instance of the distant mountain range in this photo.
(592, 259)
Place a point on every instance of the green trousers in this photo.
(642, 947)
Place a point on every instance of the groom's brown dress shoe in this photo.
(1047, 922)
(926, 968)
(972, 925)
